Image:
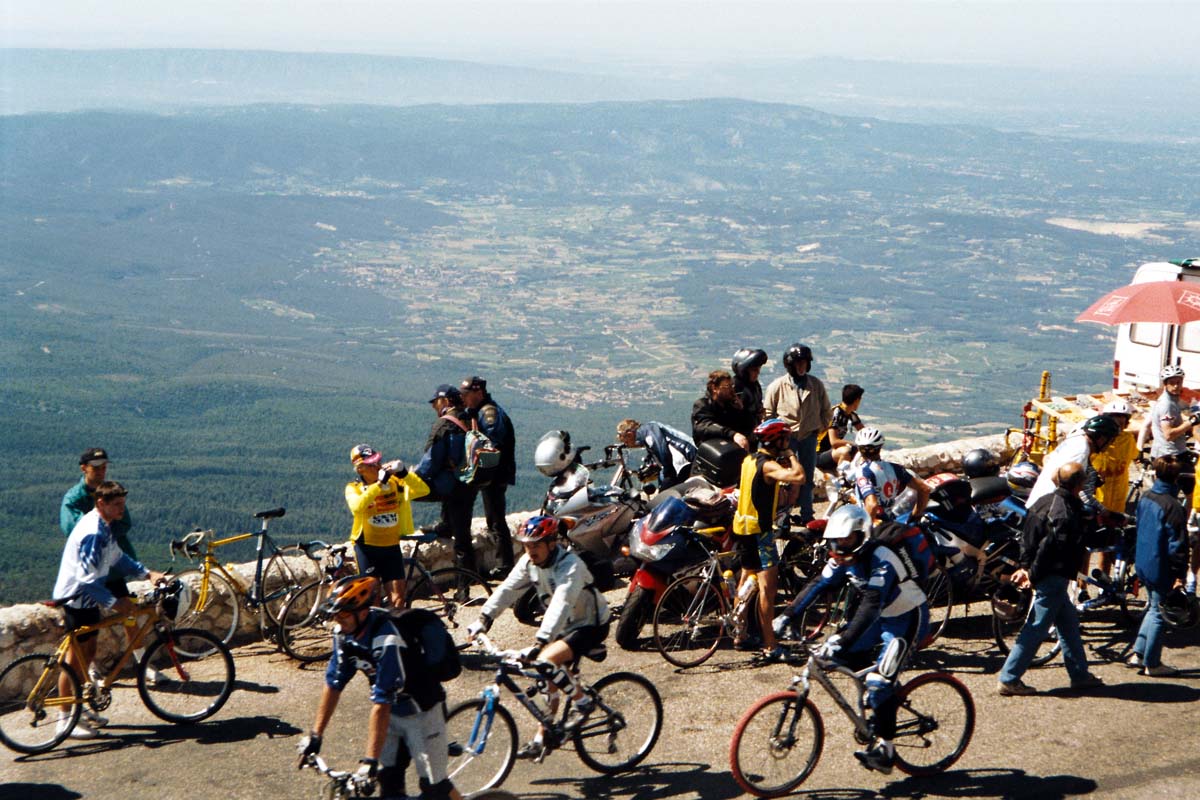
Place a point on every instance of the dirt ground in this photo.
(1130, 738)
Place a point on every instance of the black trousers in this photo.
(495, 509)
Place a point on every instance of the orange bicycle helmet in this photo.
(352, 593)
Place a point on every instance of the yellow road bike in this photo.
(186, 675)
(218, 593)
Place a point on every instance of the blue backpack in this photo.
(911, 545)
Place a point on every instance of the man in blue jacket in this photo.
(444, 452)
(1161, 560)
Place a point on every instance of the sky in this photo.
(1135, 34)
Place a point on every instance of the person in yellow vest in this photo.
(753, 524)
(380, 501)
(1112, 465)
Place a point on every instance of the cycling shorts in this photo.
(756, 551)
(424, 736)
(388, 562)
(78, 617)
(586, 639)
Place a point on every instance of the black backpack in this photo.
(431, 651)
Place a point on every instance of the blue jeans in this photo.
(1051, 607)
(806, 452)
(1149, 639)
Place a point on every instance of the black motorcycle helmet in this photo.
(747, 359)
(980, 463)
(795, 354)
(1179, 609)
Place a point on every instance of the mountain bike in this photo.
(186, 675)
(218, 593)
(303, 628)
(697, 610)
(614, 738)
(778, 741)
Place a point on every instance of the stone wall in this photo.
(36, 628)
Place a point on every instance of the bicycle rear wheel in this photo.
(303, 631)
(934, 724)
(689, 621)
(940, 592)
(482, 751)
(288, 569)
(30, 703)
(215, 612)
(1005, 631)
(454, 594)
(776, 744)
(625, 725)
(195, 675)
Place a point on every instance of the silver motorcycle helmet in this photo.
(553, 453)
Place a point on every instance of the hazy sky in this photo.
(1130, 34)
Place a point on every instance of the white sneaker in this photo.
(153, 676)
(1160, 671)
(94, 673)
(82, 729)
(92, 718)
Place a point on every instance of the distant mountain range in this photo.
(229, 298)
(1135, 106)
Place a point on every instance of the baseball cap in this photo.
(364, 454)
(473, 382)
(94, 457)
(447, 391)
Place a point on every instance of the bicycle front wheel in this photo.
(193, 675)
(31, 703)
(482, 750)
(689, 621)
(776, 744)
(934, 724)
(214, 609)
(625, 725)
(303, 631)
(454, 594)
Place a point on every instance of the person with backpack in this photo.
(890, 620)
(380, 501)
(575, 622)
(1161, 561)
(407, 721)
(445, 452)
(878, 483)
(497, 426)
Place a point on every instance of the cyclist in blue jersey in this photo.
(407, 720)
(890, 620)
(673, 449)
(878, 483)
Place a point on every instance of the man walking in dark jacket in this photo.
(1162, 558)
(1052, 545)
(494, 422)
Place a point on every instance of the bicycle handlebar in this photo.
(189, 545)
(363, 787)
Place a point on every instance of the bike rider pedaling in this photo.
(407, 706)
(892, 613)
(575, 622)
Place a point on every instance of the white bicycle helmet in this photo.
(847, 522)
(1171, 371)
(869, 437)
(1118, 407)
(553, 453)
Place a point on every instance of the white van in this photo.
(1144, 348)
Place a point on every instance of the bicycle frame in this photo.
(857, 715)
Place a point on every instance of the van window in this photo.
(1148, 333)
(1188, 339)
